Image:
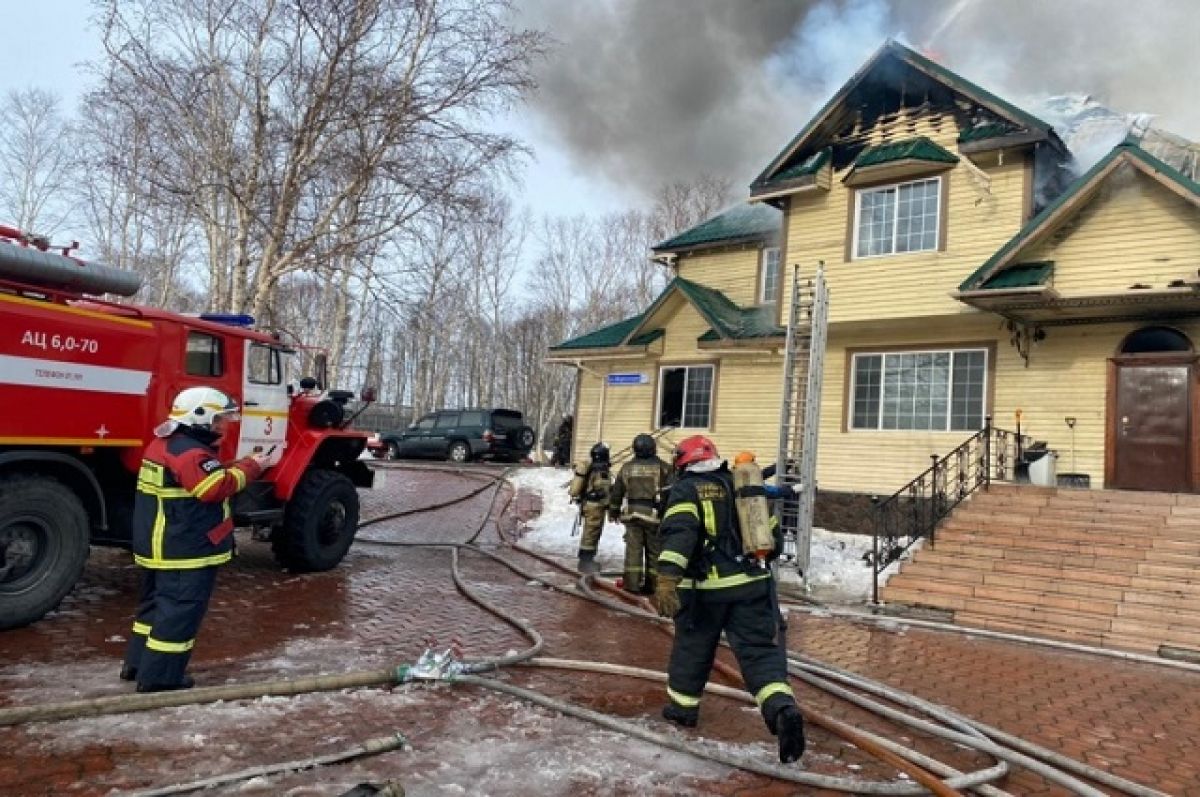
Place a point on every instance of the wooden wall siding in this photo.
(747, 416)
(745, 411)
(734, 272)
(1066, 377)
(982, 215)
(683, 326)
(1134, 231)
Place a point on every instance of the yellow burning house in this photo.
(972, 274)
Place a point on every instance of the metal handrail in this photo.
(915, 510)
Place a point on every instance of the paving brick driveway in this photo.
(1140, 721)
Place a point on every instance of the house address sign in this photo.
(628, 379)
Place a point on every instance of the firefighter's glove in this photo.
(614, 516)
(797, 488)
(666, 595)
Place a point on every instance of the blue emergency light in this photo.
(231, 319)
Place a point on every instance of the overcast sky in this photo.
(640, 92)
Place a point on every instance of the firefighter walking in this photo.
(590, 489)
(639, 485)
(182, 531)
(710, 581)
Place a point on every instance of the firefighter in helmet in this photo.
(640, 484)
(182, 531)
(562, 442)
(590, 489)
(708, 586)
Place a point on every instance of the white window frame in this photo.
(712, 390)
(762, 280)
(937, 231)
(882, 384)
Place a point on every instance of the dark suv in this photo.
(460, 436)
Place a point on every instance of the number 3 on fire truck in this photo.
(268, 425)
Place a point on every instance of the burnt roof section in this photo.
(896, 78)
(920, 148)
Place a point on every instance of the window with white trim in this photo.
(685, 396)
(768, 286)
(940, 391)
(894, 219)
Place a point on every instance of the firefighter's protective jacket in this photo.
(181, 517)
(702, 543)
(639, 481)
(591, 485)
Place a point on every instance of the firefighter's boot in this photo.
(687, 717)
(128, 673)
(186, 683)
(789, 726)
(587, 563)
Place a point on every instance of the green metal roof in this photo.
(919, 62)
(740, 223)
(611, 335)
(920, 148)
(985, 131)
(750, 322)
(1127, 149)
(811, 165)
(1022, 275)
(726, 319)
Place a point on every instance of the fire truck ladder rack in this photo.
(800, 412)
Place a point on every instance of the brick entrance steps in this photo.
(1102, 567)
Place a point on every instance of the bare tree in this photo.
(125, 225)
(35, 161)
(685, 203)
(280, 122)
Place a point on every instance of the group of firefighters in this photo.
(700, 541)
(689, 551)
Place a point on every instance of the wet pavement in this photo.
(386, 603)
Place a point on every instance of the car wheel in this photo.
(459, 451)
(393, 450)
(524, 437)
(43, 546)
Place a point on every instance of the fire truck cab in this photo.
(83, 383)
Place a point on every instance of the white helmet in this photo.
(196, 407)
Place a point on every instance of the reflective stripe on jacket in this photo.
(181, 515)
(701, 540)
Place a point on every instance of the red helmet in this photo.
(691, 450)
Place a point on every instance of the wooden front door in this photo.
(1151, 427)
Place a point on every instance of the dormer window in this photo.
(768, 283)
(898, 218)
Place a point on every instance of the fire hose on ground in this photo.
(812, 672)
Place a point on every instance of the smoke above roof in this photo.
(642, 92)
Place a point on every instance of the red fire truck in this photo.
(83, 382)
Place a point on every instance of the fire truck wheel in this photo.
(318, 524)
(43, 546)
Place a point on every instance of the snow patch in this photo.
(837, 570)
